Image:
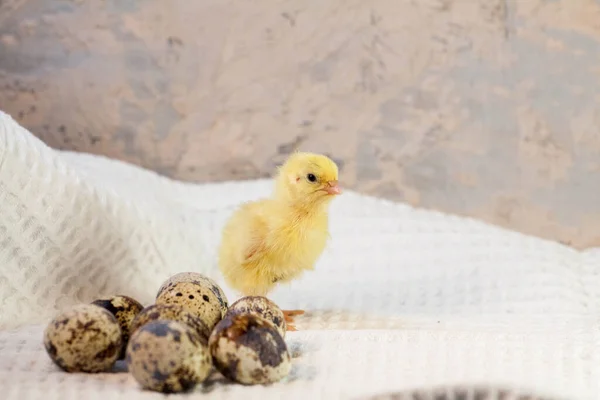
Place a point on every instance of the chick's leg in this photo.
(287, 314)
(289, 318)
(259, 288)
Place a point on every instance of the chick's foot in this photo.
(289, 318)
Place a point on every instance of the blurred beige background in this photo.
(486, 108)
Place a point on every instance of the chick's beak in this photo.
(332, 188)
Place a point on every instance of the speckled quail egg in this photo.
(262, 307)
(124, 308)
(168, 356)
(171, 312)
(199, 279)
(198, 299)
(85, 338)
(249, 350)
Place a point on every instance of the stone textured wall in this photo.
(487, 108)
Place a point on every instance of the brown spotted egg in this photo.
(249, 350)
(168, 356)
(198, 279)
(262, 307)
(124, 308)
(198, 299)
(171, 312)
(85, 338)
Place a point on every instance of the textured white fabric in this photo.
(402, 298)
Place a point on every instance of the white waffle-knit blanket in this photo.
(402, 298)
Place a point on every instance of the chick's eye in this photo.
(311, 178)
